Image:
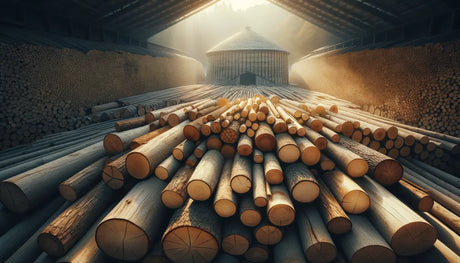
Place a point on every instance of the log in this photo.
(445, 234)
(244, 145)
(118, 142)
(259, 191)
(231, 133)
(147, 137)
(413, 195)
(228, 151)
(382, 168)
(446, 216)
(142, 161)
(316, 242)
(81, 182)
(191, 161)
(280, 210)
(317, 139)
(407, 233)
(438, 253)
(310, 154)
(364, 243)
(288, 249)
(206, 129)
(130, 124)
(258, 156)
(27, 190)
(192, 130)
(236, 237)
(264, 138)
(139, 228)
(250, 215)
(335, 218)
(257, 253)
(301, 183)
(183, 150)
(214, 142)
(350, 195)
(65, 230)
(325, 163)
(156, 254)
(193, 234)
(267, 233)
(204, 179)
(286, 148)
(272, 168)
(241, 179)
(167, 168)
(200, 150)
(115, 174)
(348, 161)
(225, 200)
(174, 194)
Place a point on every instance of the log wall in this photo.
(416, 85)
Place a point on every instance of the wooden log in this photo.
(241, 179)
(204, 179)
(288, 249)
(413, 195)
(280, 210)
(257, 253)
(419, 166)
(257, 156)
(228, 151)
(301, 182)
(225, 200)
(142, 161)
(236, 237)
(279, 126)
(406, 232)
(167, 168)
(65, 230)
(445, 234)
(250, 215)
(346, 160)
(335, 218)
(438, 253)
(259, 191)
(206, 129)
(244, 145)
(183, 150)
(147, 137)
(382, 168)
(310, 154)
(286, 148)
(192, 130)
(364, 243)
(446, 216)
(177, 116)
(193, 233)
(325, 163)
(27, 190)
(317, 139)
(191, 161)
(115, 174)
(139, 228)
(231, 133)
(130, 124)
(264, 138)
(81, 182)
(272, 168)
(316, 242)
(200, 150)
(118, 142)
(214, 142)
(267, 233)
(174, 194)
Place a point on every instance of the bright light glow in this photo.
(237, 5)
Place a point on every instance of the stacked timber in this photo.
(220, 179)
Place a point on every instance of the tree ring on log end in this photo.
(339, 225)
(305, 191)
(113, 144)
(13, 197)
(137, 165)
(355, 202)
(198, 190)
(388, 172)
(413, 238)
(357, 167)
(281, 215)
(321, 252)
(225, 208)
(374, 254)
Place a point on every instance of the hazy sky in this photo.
(200, 32)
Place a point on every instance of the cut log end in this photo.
(245, 150)
(235, 244)
(240, 184)
(172, 199)
(13, 198)
(289, 153)
(355, 202)
(51, 245)
(250, 218)
(199, 190)
(305, 191)
(339, 225)
(192, 133)
(225, 208)
(374, 254)
(265, 142)
(113, 178)
(311, 156)
(388, 172)
(357, 167)
(256, 254)
(260, 201)
(113, 144)
(269, 235)
(190, 244)
(137, 165)
(413, 238)
(425, 204)
(281, 215)
(67, 192)
(161, 172)
(274, 176)
(132, 245)
(321, 252)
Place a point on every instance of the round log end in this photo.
(379, 134)
(250, 218)
(274, 176)
(392, 132)
(356, 202)
(374, 254)
(301, 132)
(316, 125)
(191, 133)
(289, 153)
(199, 190)
(357, 167)
(173, 120)
(321, 252)
(161, 172)
(241, 184)
(258, 158)
(132, 245)
(113, 144)
(149, 118)
(51, 244)
(190, 244)
(321, 143)
(348, 128)
(310, 156)
(265, 142)
(13, 198)
(256, 254)
(137, 165)
(413, 238)
(281, 215)
(172, 199)
(245, 150)
(305, 191)
(388, 172)
(260, 202)
(113, 178)
(269, 235)
(224, 208)
(67, 192)
(339, 225)
(280, 127)
(425, 204)
(235, 244)
(178, 154)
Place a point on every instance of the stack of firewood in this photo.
(247, 177)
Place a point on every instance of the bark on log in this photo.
(118, 142)
(280, 210)
(264, 138)
(167, 168)
(225, 200)
(174, 194)
(413, 195)
(267, 233)
(147, 137)
(310, 154)
(317, 139)
(183, 150)
(258, 156)
(348, 161)
(241, 180)
(259, 191)
(115, 174)
(301, 182)
(289, 250)
(245, 145)
(272, 168)
(286, 148)
(204, 179)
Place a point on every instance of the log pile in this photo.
(311, 191)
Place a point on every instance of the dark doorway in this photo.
(248, 79)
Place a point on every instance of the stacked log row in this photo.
(296, 191)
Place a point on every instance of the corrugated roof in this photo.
(246, 39)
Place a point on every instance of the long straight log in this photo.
(310, 154)
(167, 168)
(317, 139)
(280, 210)
(225, 200)
(286, 148)
(204, 179)
(264, 138)
(118, 142)
(183, 150)
(257, 253)
(289, 250)
(130, 124)
(272, 168)
(445, 234)
(139, 216)
(301, 182)
(236, 237)
(412, 194)
(27, 190)
(174, 194)
(438, 253)
(446, 216)
(115, 174)
(241, 180)
(348, 161)
(266, 233)
(259, 189)
(147, 137)
(250, 215)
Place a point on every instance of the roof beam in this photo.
(359, 5)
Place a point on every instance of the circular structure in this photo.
(247, 58)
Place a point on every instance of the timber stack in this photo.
(241, 175)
